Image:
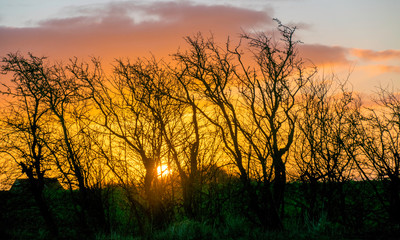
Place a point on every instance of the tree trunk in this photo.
(271, 211)
(279, 183)
(37, 186)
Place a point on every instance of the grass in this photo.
(20, 219)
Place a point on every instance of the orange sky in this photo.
(114, 30)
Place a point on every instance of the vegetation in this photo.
(241, 141)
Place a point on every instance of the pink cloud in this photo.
(371, 55)
(322, 55)
(111, 32)
(379, 69)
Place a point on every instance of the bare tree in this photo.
(133, 112)
(379, 139)
(231, 91)
(62, 96)
(209, 75)
(25, 121)
(185, 134)
(269, 92)
(326, 138)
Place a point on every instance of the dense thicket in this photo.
(246, 132)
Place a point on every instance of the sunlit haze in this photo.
(163, 171)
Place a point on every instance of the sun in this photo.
(162, 170)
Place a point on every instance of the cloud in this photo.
(379, 69)
(378, 62)
(300, 25)
(347, 58)
(371, 55)
(127, 29)
(323, 55)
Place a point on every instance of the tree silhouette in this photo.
(326, 137)
(25, 120)
(379, 135)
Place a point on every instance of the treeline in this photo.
(252, 113)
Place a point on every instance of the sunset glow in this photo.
(352, 42)
(167, 119)
(163, 171)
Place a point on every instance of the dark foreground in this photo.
(358, 214)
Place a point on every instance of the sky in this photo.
(356, 37)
